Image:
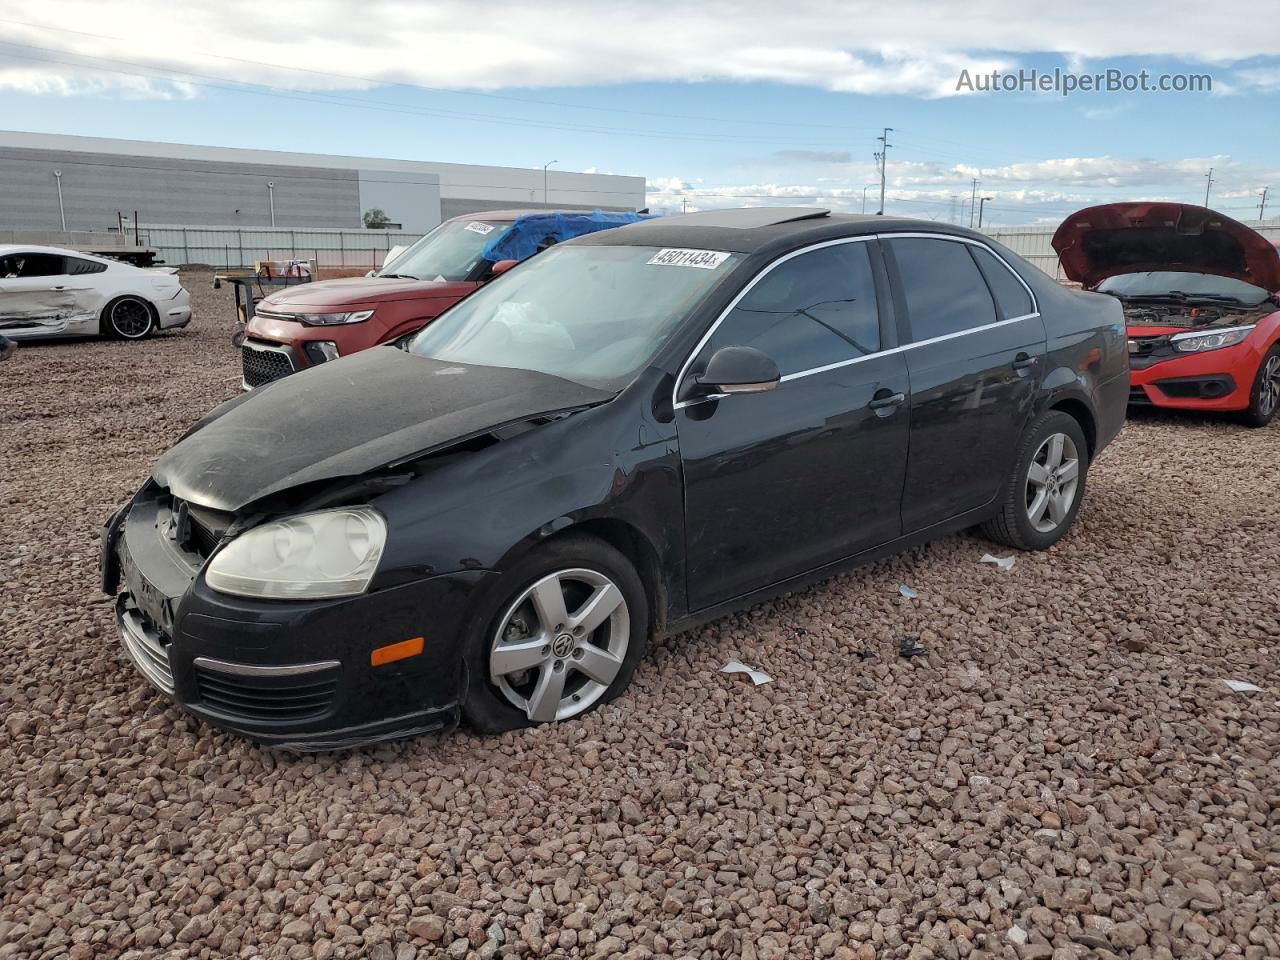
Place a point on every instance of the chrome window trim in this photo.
(693, 355)
(681, 404)
(253, 670)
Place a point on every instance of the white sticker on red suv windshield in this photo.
(475, 226)
(702, 259)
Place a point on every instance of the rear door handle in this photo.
(1024, 362)
(884, 402)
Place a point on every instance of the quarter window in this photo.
(76, 266)
(944, 291)
(814, 309)
(1012, 299)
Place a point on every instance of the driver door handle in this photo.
(884, 402)
(1024, 361)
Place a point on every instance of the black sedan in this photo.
(636, 430)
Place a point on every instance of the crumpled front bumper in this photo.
(294, 674)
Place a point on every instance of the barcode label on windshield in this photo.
(475, 226)
(702, 259)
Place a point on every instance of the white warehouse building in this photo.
(51, 182)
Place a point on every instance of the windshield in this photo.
(449, 252)
(591, 314)
(1163, 283)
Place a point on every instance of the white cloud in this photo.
(866, 46)
(1030, 192)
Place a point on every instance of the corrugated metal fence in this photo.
(243, 246)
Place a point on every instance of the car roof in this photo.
(502, 216)
(762, 229)
(10, 248)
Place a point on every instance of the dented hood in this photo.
(1115, 238)
(345, 418)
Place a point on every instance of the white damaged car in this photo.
(51, 292)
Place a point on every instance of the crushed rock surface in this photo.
(1063, 775)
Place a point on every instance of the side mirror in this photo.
(502, 266)
(739, 370)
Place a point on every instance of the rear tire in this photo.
(502, 691)
(1043, 494)
(1264, 397)
(128, 318)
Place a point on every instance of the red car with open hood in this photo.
(1201, 296)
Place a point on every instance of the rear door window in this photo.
(944, 292)
(1012, 299)
(815, 309)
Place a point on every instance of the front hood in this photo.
(350, 416)
(1115, 238)
(350, 292)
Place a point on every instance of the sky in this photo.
(715, 103)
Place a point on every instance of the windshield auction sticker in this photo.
(475, 226)
(702, 259)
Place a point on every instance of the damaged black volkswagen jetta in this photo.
(632, 432)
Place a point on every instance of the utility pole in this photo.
(881, 156)
(982, 202)
(684, 204)
(1208, 182)
(1262, 207)
(544, 180)
(973, 201)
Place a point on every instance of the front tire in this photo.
(1264, 398)
(559, 634)
(1044, 492)
(128, 318)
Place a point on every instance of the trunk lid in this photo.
(1115, 238)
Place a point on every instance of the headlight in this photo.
(332, 553)
(1199, 342)
(332, 319)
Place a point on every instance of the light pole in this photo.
(982, 202)
(544, 180)
(864, 196)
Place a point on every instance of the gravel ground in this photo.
(1063, 775)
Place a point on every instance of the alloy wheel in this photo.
(1269, 388)
(561, 644)
(131, 319)
(1052, 481)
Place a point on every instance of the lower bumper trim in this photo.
(436, 720)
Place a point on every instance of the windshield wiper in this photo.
(1181, 296)
(399, 276)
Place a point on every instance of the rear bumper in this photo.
(175, 312)
(294, 674)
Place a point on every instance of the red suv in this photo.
(304, 325)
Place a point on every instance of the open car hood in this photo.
(345, 418)
(1114, 238)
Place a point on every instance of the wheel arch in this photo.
(1083, 414)
(623, 536)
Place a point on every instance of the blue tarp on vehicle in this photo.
(531, 232)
